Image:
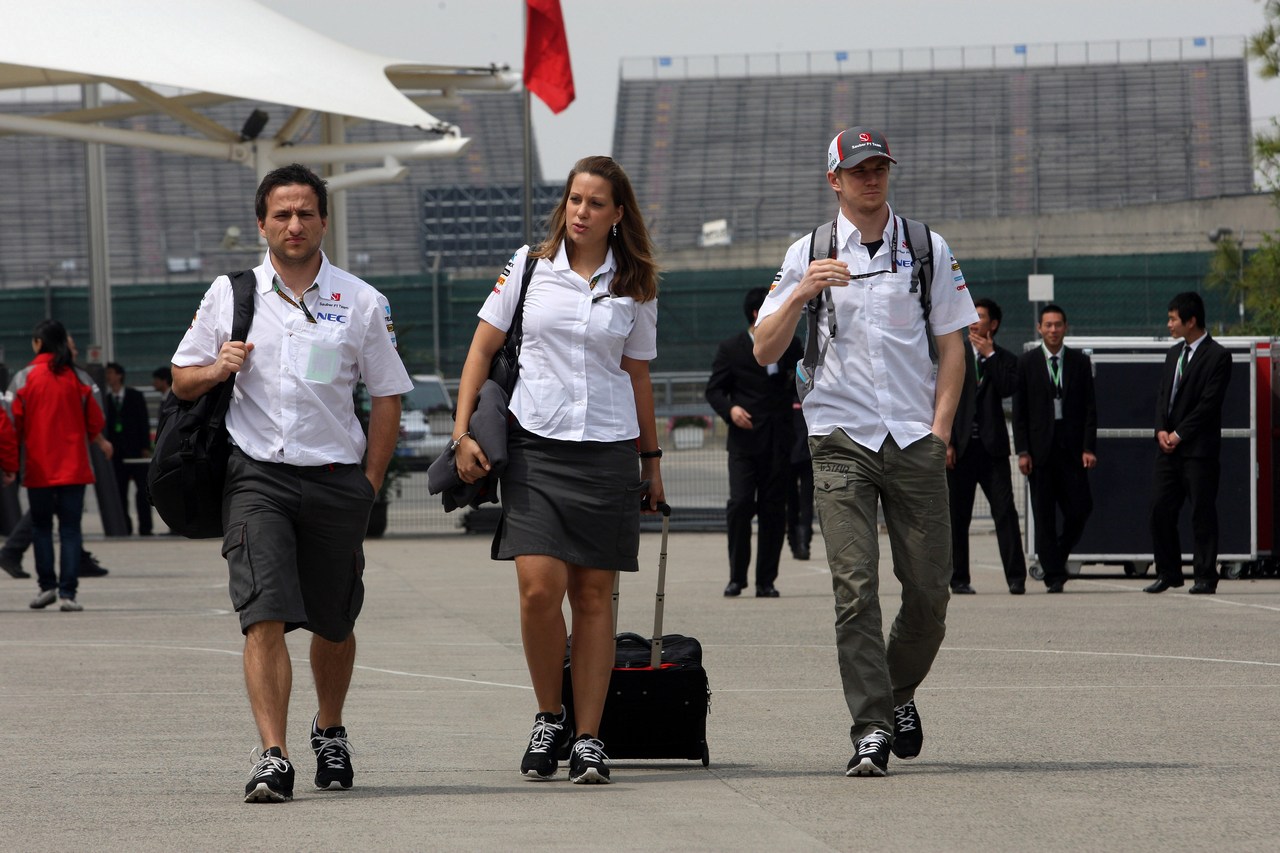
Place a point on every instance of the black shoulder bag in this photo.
(189, 467)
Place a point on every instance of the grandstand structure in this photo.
(978, 132)
(169, 214)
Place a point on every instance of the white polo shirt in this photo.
(293, 400)
(572, 386)
(877, 378)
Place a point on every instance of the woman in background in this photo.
(56, 414)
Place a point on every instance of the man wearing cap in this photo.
(879, 420)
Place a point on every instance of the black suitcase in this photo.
(658, 695)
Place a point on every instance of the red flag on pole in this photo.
(546, 55)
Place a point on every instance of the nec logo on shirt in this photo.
(331, 318)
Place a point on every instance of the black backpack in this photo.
(919, 243)
(189, 467)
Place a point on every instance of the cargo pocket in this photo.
(243, 585)
(355, 598)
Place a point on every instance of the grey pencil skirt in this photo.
(577, 501)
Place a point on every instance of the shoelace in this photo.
(543, 735)
(590, 749)
(872, 743)
(906, 717)
(265, 765)
(333, 751)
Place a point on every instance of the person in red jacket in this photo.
(55, 415)
(8, 449)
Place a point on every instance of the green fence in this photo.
(1103, 295)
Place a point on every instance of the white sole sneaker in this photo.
(44, 599)
(590, 776)
(866, 767)
(263, 794)
(70, 605)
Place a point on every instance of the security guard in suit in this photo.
(979, 452)
(1188, 431)
(756, 402)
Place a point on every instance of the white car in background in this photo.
(426, 421)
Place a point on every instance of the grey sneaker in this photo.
(44, 599)
(70, 605)
(871, 757)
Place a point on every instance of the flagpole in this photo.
(528, 171)
(528, 141)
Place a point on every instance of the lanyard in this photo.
(275, 285)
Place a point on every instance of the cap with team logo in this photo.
(852, 146)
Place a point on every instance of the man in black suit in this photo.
(129, 431)
(1193, 386)
(756, 403)
(1055, 431)
(979, 452)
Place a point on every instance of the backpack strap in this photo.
(920, 244)
(243, 284)
(819, 247)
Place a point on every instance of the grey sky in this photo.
(601, 32)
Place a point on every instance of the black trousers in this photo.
(1177, 479)
(976, 467)
(757, 489)
(137, 473)
(1059, 483)
(800, 503)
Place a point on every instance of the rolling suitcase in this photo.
(658, 695)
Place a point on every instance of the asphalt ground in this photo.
(1101, 719)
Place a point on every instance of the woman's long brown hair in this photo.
(637, 274)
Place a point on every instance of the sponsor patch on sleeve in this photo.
(391, 326)
(506, 271)
(777, 279)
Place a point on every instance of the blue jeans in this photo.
(67, 503)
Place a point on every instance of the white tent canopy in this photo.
(174, 56)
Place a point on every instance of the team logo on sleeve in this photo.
(777, 279)
(957, 277)
(506, 271)
(391, 326)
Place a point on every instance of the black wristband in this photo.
(651, 454)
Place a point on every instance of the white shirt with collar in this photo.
(572, 386)
(293, 400)
(877, 378)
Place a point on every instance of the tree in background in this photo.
(1253, 279)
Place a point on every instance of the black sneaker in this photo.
(13, 565)
(333, 757)
(908, 734)
(90, 567)
(546, 739)
(871, 758)
(272, 779)
(588, 765)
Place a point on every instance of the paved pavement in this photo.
(1102, 719)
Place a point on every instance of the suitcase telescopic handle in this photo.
(655, 652)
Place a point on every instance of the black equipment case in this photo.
(658, 695)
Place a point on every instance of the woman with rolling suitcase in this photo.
(582, 407)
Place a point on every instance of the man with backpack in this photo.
(883, 295)
(297, 498)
